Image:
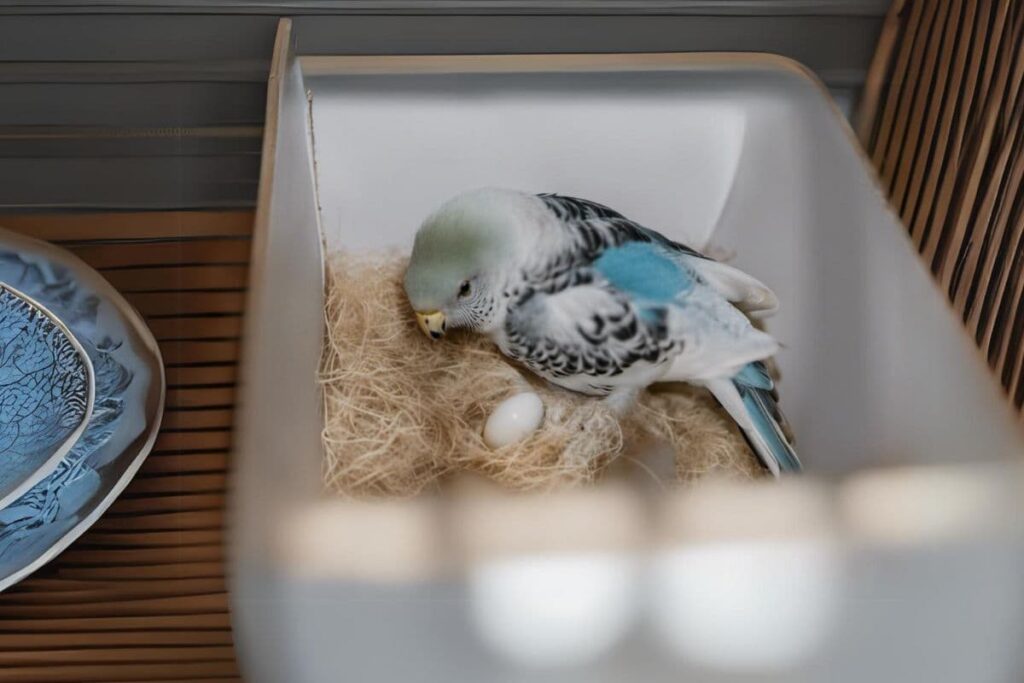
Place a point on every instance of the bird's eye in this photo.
(464, 289)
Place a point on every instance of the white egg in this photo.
(514, 419)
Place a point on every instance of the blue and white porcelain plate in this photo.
(127, 405)
(46, 392)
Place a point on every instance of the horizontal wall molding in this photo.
(69, 142)
(219, 71)
(727, 7)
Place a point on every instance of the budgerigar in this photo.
(598, 304)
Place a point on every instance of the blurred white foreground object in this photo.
(755, 607)
(551, 577)
(751, 578)
(554, 610)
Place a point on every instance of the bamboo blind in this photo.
(941, 118)
(141, 596)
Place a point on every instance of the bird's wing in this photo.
(633, 303)
(718, 345)
(596, 228)
(588, 330)
(714, 338)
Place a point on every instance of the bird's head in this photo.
(459, 260)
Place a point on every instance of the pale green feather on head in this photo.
(465, 238)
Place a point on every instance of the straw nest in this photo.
(402, 412)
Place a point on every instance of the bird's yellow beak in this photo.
(432, 323)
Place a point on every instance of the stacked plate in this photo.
(81, 397)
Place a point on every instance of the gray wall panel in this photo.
(128, 182)
(132, 104)
(170, 95)
(72, 143)
(114, 38)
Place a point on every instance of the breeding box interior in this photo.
(745, 153)
(902, 431)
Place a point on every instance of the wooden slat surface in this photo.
(141, 596)
(943, 121)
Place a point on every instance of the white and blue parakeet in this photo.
(598, 304)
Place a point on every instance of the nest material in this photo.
(401, 411)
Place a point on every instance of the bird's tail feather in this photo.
(750, 398)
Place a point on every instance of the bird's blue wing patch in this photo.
(644, 271)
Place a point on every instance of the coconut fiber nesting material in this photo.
(402, 412)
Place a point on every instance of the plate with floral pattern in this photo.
(46, 392)
(126, 410)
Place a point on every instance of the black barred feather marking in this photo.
(572, 209)
(605, 344)
(598, 227)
